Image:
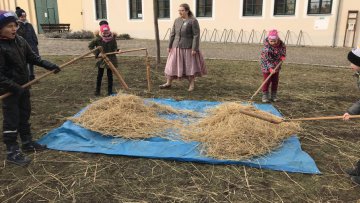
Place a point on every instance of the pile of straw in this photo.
(225, 134)
(228, 134)
(127, 116)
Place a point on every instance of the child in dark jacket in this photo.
(15, 53)
(273, 52)
(26, 30)
(107, 40)
(354, 58)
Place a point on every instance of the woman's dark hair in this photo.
(187, 8)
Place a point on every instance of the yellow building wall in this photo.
(7, 5)
(29, 8)
(348, 5)
(227, 20)
(70, 11)
(119, 21)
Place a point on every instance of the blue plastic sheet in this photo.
(70, 137)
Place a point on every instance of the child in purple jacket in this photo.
(273, 52)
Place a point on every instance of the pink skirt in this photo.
(181, 63)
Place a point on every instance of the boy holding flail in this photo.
(15, 54)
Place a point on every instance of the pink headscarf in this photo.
(106, 38)
(273, 34)
(104, 28)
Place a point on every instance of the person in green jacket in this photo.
(107, 40)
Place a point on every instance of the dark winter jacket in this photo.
(110, 46)
(271, 55)
(14, 56)
(27, 31)
(354, 109)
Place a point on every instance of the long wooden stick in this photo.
(266, 80)
(271, 119)
(321, 118)
(148, 77)
(277, 120)
(113, 69)
(122, 52)
(50, 72)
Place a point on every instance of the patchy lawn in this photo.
(305, 91)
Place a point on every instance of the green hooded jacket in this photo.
(110, 46)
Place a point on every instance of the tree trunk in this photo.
(157, 37)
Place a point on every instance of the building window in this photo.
(100, 6)
(204, 8)
(252, 7)
(284, 7)
(135, 9)
(319, 6)
(163, 8)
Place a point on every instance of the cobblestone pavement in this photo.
(233, 51)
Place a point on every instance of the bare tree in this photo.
(156, 27)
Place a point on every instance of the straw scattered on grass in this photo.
(228, 134)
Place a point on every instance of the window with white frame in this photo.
(204, 8)
(100, 7)
(252, 7)
(319, 6)
(284, 7)
(163, 8)
(135, 7)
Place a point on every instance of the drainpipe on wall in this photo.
(336, 23)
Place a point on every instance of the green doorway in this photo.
(46, 13)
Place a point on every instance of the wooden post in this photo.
(148, 77)
(50, 72)
(113, 69)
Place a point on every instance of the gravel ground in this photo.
(303, 55)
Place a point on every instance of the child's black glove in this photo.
(17, 89)
(50, 66)
(56, 68)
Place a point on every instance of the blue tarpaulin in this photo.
(71, 137)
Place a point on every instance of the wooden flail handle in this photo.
(266, 80)
(50, 72)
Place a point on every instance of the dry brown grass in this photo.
(305, 91)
